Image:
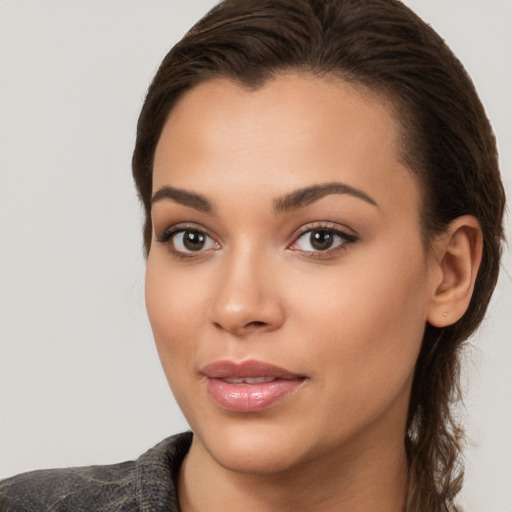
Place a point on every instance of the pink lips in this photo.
(249, 386)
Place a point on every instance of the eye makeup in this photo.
(314, 240)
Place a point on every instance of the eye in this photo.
(187, 241)
(322, 240)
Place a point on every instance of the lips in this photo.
(249, 386)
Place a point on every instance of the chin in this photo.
(258, 460)
(256, 450)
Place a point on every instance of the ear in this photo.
(456, 260)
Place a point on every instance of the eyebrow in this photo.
(305, 196)
(190, 199)
(292, 201)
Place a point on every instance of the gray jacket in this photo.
(148, 484)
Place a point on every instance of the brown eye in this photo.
(186, 241)
(321, 240)
(193, 240)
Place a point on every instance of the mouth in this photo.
(249, 380)
(249, 386)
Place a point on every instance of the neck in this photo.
(357, 479)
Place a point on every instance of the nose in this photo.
(246, 300)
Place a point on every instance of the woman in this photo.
(323, 227)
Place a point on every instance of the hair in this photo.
(446, 141)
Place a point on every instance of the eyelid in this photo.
(327, 226)
(168, 234)
(348, 235)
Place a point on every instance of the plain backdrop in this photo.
(80, 379)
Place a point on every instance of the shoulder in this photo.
(70, 489)
(145, 484)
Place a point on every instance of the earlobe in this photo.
(458, 253)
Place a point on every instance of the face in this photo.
(287, 283)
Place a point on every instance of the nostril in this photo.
(256, 324)
(242, 328)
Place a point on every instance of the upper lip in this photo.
(246, 369)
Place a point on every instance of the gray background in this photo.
(80, 381)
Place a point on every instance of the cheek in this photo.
(366, 320)
(174, 310)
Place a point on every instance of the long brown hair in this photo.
(446, 141)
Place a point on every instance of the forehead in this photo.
(294, 130)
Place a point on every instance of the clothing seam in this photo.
(137, 485)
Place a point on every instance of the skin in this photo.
(350, 319)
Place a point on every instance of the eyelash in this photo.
(167, 238)
(332, 229)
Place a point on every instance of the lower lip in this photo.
(250, 397)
